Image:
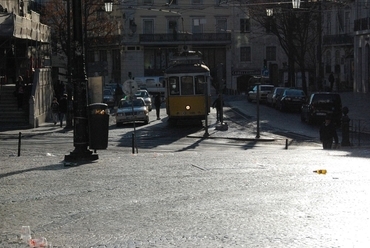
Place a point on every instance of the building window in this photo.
(245, 54)
(347, 24)
(90, 57)
(328, 24)
(103, 55)
(197, 26)
(148, 26)
(116, 64)
(221, 25)
(271, 53)
(245, 25)
(172, 26)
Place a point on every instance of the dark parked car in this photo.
(274, 95)
(291, 100)
(319, 105)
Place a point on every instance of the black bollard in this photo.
(286, 144)
(19, 143)
(345, 127)
(133, 143)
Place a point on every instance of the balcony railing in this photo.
(187, 38)
(340, 39)
(362, 24)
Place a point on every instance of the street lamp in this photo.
(80, 132)
(108, 5)
(296, 4)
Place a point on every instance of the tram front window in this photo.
(174, 86)
(187, 85)
(199, 85)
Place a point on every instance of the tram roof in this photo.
(187, 68)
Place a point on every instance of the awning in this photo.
(12, 25)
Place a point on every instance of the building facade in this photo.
(152, 31)
(362, 46)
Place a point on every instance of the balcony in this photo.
(362, 24)
(339, 39)
(186, 38)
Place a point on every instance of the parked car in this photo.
(132, 110)
(291, 100)
(319, 105)
(145, 95)
(264, 89)
(274, 95)
(108, 97)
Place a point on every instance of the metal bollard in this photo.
(19, 143)
(133, 143)
(286, 144)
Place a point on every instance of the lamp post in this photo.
(69, 55)
(80, 132)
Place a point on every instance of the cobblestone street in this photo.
(250, 198)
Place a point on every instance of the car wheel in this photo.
(249, 100)
(302, 118)
(119, 124)
(146, 121)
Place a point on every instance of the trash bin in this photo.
(98, 118)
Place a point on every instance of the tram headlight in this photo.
(187, 107)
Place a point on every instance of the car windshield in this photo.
(294, 93)
(327, 98)
(141, 94)
(107, 92)
(136, 103)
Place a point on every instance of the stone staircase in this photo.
(9, 113)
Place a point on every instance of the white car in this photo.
(145, 95)
(263, 90)
(132, 110)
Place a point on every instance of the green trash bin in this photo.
(98, 118)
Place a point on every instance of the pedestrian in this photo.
(118, 94)
(63, 107)
(331, 80)
(55, 110)
(157, 104)
(328, 133)
(20, 89)
(218, 105)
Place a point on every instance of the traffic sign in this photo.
(265, 72)
(130, 87)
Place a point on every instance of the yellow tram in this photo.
(187, 87)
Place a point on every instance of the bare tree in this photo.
(296, 30)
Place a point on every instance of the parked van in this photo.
(151, 84)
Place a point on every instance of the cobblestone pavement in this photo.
(250, 198)
(260, 196)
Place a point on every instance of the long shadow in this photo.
(162, 133)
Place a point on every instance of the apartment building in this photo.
(361, 46)
(152, 31)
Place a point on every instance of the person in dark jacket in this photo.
(218, 105)
(55, 110)
(63, 108)
(328, 133)
(157, 104)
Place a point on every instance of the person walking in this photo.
(218, 105)
(328, 133)
(157, 104)
(118, 93)
(55, 110)
(63, 107)
(20, 89)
